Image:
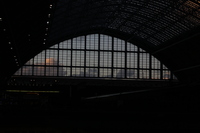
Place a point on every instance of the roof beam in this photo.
(173, 44)
(187, 68)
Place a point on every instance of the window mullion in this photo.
(112, 73)
(71, 57)
(125, 60)
(98, 55)
(138, 63)
(85, 44)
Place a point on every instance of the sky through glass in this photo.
(94, 56)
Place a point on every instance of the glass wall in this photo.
(96, 56)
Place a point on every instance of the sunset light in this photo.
(103, 56)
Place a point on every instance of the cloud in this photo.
(51, 62)
(52, 68)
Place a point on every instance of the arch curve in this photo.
(96, 56)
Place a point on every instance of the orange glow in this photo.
(51, 61)
(192, 4)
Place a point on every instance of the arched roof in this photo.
(169, 29)
(152, 22)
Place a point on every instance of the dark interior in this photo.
(167, 29)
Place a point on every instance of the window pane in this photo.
(51, 71)
(52, 57)
(144, 74)
(119, 59)
(131, 73)
(27, 70)
(39, 70)
(155, 74)
(79, 43)
(164, 67)
(105, 73)
(155, 63)
(78, 58)
(119, 45)
(166, 74)
(51, 62)
(105, 42)
(92, 58)
(105, 59)
(62, 71)
(77, 72)
(92, 42)
(144, 60)
(132, 60)
(54, 47)
(18, 72)
(39, 59)
(65, 58)
(131, 47)
(91, 72)
(30, 62)
(119, 73)
(65, 44)
(67, 71)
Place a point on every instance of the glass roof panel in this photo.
(153, 21)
